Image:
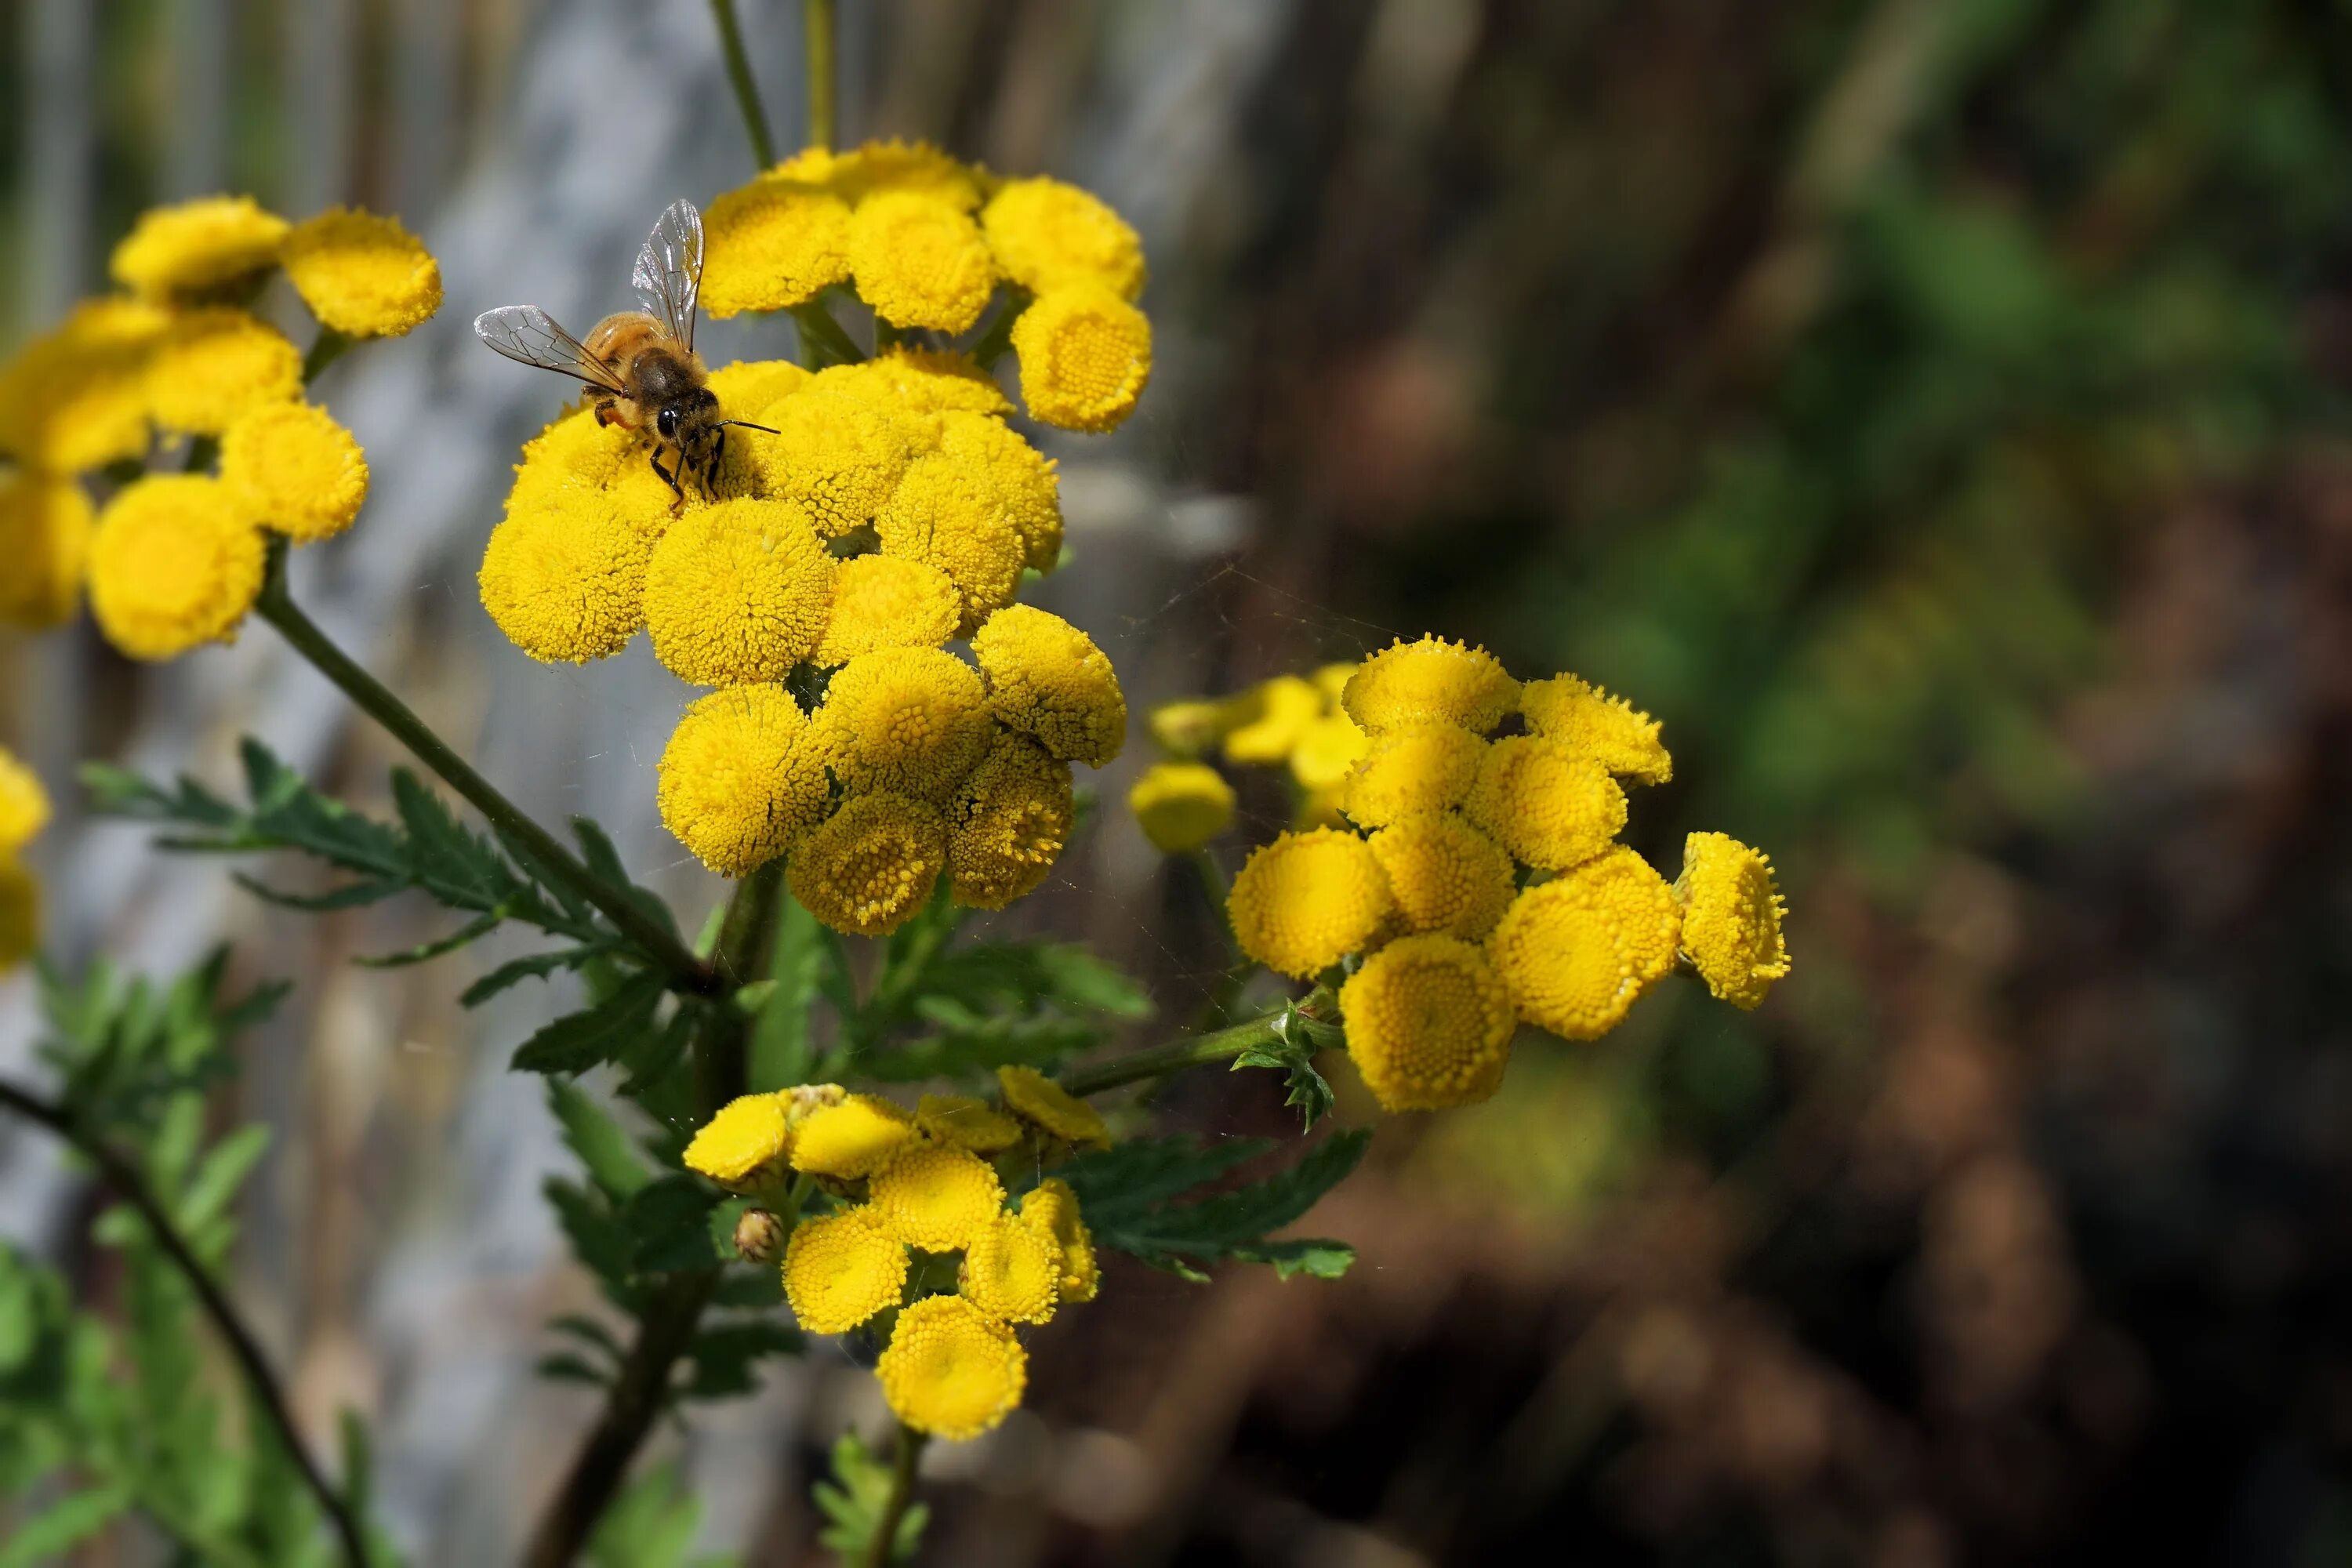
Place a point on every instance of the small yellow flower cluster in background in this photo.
(916, 1203)
(925, 242)
(172, 561)
(23, 812)
(1291, 722)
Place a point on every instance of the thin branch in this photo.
(129, 1186)
(881, 1546)
(1198, 1050)
(747, 90)
(816, 32)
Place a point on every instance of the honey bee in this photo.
(638, 367)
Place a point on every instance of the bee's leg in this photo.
(711, 469)
(670, 479)
(604, 415)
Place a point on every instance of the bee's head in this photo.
(689, 419)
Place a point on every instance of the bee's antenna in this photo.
(748, 425)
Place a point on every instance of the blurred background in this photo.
(1933, 410)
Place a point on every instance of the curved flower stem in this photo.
(128, 1185)
(276, 605)
(820, 331)
(325, 350)
(747, 90)
(816, 31)
(908, 1455)
(1197, 1051)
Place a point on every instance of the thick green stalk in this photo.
(1198, 1050)
(747, 90)
(816, 30)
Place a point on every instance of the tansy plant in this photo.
(783, 1134)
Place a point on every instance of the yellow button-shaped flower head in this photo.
(912, 720)
(75, 399)
(839, 456)
(1431, 681)
(749, 385)
(937, 1197)
(851, 1140)
(951, 1370)
(921, 261)
(1053, 1209)
(1047, 235)
(173, 565)
(1591, 723)
(1086, 357)
(879, 168)
(1548, 806)
(1412, 772)
(211, 365)
(840, 1269)
(294, 469)
(1018, 477)
(1577, 951)
(1731, 918)
(1329, 750)
(872, 865)
(1264, 724)
(926, 381)
(1051, 1109)
(1188, 728)
(1181, 805)
(738, 592)
(1306, 901)
(1011, 1271)
(964, 1122)
(1446, 875)
(48, 523)
(743, 1144)
(24, 803)
(1047, 679)
(1009, 823)
(888, 601)
(192, 247)
(737, 784)
(1429, 1025)
(773, 243)
(565, 576)
(20, 913)
(363, 275)
(956, 516)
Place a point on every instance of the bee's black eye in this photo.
(667, 423)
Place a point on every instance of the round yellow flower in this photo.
(1548, 806)
(773, 243)
(1308, 899)
(1053, 1110)
(919, 261)
(1188, 728)
(743, 1143)
(1047, 679)
(211, 365)
(1053, 1209)
(917, 167)
(964, 1122)
(1446, 875)
(1412, 772)
(912, 720)
(927, 381)
(951, 1370)
(840, 456)
(364, 275)
(736, 786)
(20, 913)
(1731, 918)
(1047, 235)
(738, 592)
(1329, 750)
(1431, 681)
(575, 453)
(24, 803)
(1181, 805)
(885, 602)
(75, 399)
(840, 1269)
(1019, 476)
(1577, 951)
(1011, 1271)
(955, 516)
(749, 385)
(803, 1101)
(851, 1140)
(565, 577)
(1086, 357)
(1009, 824)
(195, 245)
(48, 523)
(1591, 723)
(872, 865)
(1428, 1026)
(294, 469)
(937, 1197)
(1264, 724)
(173, 564)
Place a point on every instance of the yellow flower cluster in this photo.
(23, 812)
(904, 1185)
(927, 243)
(172, 561)
(1291, 722)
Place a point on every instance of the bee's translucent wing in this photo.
(668, 272)
(529, 334)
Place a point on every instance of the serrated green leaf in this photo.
(725, 1358)
(653, 1057)
(669, 1222)
(588, 1331)
(219, 1174)
(466, 935)
(1306, 1090)
(530, 966)
(993, 976)
(599, 1238)
(968, 1045)
(1318, 1259)
(578, 1041)
(853, 1501)
(45, 1536)
(1129, 1201)
(651, 1524)
(606, 1151)
(562, 1366)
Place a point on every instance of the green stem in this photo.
(824, 338)
(131, 1188)
(881, 1546)
(746, 937)
(747, 90)
(325, 350)
(997, 341)
(1197, 1051)
(276, 605)
(816, 30)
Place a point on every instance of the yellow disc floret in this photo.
(773, 243)
(927, 381)
(748, 385)
(1047, 235)
(921, 261)
(1086, 357)
(1548, 806)
(1051, 1109)
(736, 786)
(1053, 1209)
(1011, 1271)
(937, 1197)
(1008, 824)
(1048, 680)
(839, 456)
(851, 1139)
(196, 245)
(1731, 918)
(1016, 474)
(211, 365)
(967, 1123)
(1428, 1026)
(738, 592)
(1431, 681)
(951, 1370)
(888, 601)
(743, 1143)
(1577, 951)
(1181, 805)
(75, 399)
(842, 1268)
(893, 165)
(912, 720)
(173, 565)
(1446, 875)
(1410, 772)
(295, 470)
(956, 516)
(47, 525)
(363, 275)
(1329, 750)
(1591, 723)
(1308, 899)
(564, 577)
(872, 865)
(24, 803)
